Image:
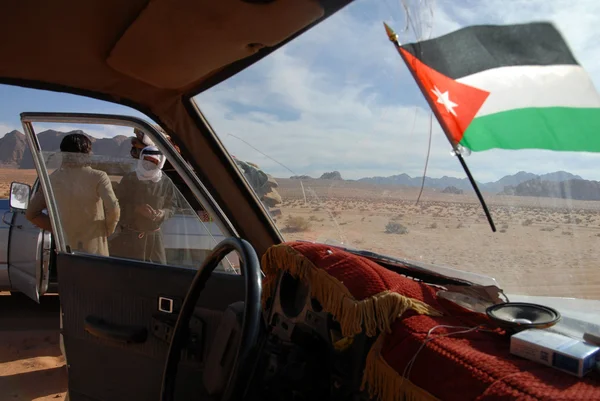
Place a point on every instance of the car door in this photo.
(29, 252)
(118, 311)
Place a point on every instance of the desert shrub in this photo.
(460, 225)
(504, 227)
(296, 224)
(433, 225)
(503, 230)
(393, 227)
(549, 229)
(527, 222)
(567, 233)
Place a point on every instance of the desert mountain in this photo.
(578, 189)
(12, 148)
(463, 183)
(14, 152)
(452, 190)
(333, 175)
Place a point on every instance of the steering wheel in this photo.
(243, 361)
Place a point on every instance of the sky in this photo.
(340, 98)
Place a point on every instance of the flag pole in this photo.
(394, 39)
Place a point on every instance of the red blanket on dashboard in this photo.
(406, 363)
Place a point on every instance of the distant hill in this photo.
(406, 180)
(334, 175)
(13, 146)
(577, 189)
(14, 152)
(465, 185)
(452, 190)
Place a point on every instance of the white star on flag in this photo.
(444, 98)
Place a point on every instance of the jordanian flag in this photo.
(508, 87)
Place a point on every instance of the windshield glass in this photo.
(339, 134)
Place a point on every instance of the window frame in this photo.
(198, 189)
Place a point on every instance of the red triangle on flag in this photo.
(456, 103)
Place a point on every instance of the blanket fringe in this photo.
(384, 383)
(376, 313)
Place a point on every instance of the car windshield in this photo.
(335, 136)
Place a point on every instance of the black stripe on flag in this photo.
(483, 47)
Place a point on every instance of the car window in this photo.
(113, 204)
(338, 120)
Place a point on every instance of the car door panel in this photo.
(28, 257)
(126, 293)
(116, 332)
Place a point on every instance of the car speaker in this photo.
(522, 315)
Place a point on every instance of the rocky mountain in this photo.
(465, 185)
(14, 152)
(578, 189)
(12, 148)
(452, 190)
(406, 180)
(522, 176)
(334, 175)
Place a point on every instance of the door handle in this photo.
(115, 332)
(7, 223)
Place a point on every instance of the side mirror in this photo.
(19, 195)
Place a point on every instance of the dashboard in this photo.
(305, 355)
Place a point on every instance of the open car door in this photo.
(119, 308)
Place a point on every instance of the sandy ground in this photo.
(31, 364)
(9, 175)
(543, 246)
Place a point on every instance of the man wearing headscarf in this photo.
(88, 208)
(147, 199)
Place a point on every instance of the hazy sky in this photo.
(340, 98)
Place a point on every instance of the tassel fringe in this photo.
(384, 383)
(376, 313)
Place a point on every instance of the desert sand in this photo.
(542, 246)
(9, 175)
(31, 365)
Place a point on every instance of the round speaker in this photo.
(522, 315)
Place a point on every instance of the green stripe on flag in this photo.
(550, 128)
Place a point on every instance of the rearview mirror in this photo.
(19, 195)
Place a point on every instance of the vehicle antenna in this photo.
(456, 150)
(426, 158)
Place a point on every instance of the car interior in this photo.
(302, 321)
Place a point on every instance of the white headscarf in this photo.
(145, 169)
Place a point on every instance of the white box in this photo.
(552, 349)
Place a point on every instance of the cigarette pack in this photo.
(561, 352)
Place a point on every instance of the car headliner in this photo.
(154, 56)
